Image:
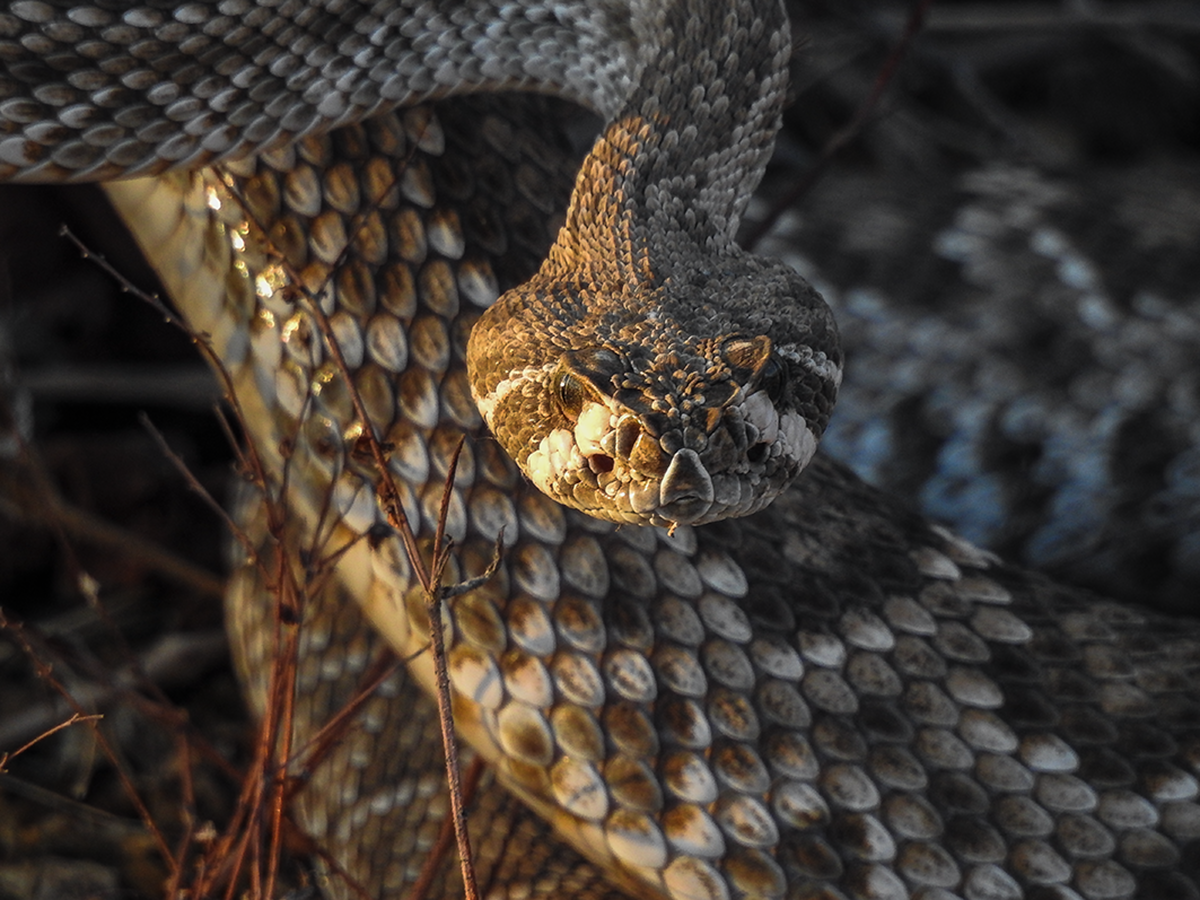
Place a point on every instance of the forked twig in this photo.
(6, 757)
(433, 602)
(389, 496)
(229, 852)
(273, 789)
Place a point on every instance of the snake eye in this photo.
(569, 392)
(773, 378)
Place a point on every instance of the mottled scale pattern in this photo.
(381, 812)
(1032, 379)
(830, 699)
(90, 91)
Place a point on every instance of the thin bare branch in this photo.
(6, 758)
(433, 602)
(437, 853)
(322, 743)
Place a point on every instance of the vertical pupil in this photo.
(570, 394)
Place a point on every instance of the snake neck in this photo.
(666, 183)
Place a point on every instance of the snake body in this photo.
(829, 698)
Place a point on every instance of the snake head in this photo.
(683, 401)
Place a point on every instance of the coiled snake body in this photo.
(829, 698)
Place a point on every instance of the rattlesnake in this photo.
(830, 698)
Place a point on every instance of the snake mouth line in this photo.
(683, 489)
(614, 464)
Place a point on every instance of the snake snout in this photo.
(686, 492)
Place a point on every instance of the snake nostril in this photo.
(757, 453)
